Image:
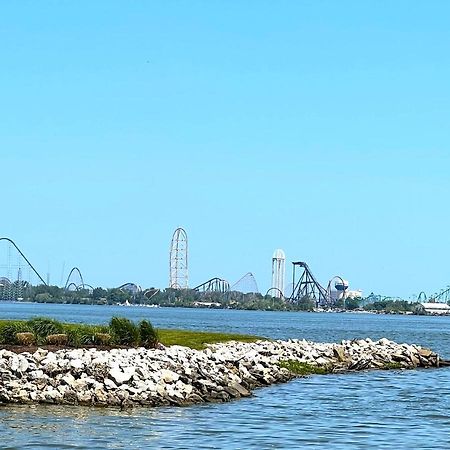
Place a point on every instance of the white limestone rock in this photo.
(121, 375)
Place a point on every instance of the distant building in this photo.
(433, 309)
(354, 294)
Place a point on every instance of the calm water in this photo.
(398, 409)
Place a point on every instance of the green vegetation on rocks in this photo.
(302, 369)
(199, 339)
(392, 366)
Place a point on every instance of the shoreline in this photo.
(315, 311)
(182, 376)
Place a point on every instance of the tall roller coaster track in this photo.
(76, 284)
(306, 286)
(443, 296)
(132, 288)
(70, 284)
(17, 273)
(275, 293)
(246, 284)
(25, 259)
(422, 297)
(214, 285)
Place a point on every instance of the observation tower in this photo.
(278, 272)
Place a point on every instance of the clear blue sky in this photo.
(318, 127)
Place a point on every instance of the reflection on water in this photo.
(399, 409)
(395, 409)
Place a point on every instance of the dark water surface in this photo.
(395, 409)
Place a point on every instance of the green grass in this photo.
(82, 334)
(199, 339)
(392, 366)
(303, 369)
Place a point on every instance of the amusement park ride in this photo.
(17, 273)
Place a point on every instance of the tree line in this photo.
(22, 291)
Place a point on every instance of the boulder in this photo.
(121, 376)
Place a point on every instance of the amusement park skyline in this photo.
(319, 129)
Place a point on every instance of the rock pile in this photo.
(181, 376)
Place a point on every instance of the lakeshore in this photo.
(182, 376)
(377, 406)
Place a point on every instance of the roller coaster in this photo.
(443, 296)
(246, 284)
(275, 293)
(306, 286)
(71, 285)
(133, 288)
(20, 265)
(214, 285)
(17, 272)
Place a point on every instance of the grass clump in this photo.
(124, 331)
(43, 327)
(102, 338)
(57, 339)
(79, 335)
(9, 330)
(147, 334)
(25, 338)
(198, 339)
(303, 369)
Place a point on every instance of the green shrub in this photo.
(25, 338)
(79, 335)
(9, 330)
(148, 335)
(57, 339)
(74, 337)
(43, 327)
(124, 332)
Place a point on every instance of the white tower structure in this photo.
(278, 271)
(178, 271)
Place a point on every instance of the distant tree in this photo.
(43, 297)
(98, 293)
(352, 303)
(117, 296)
(306, 304)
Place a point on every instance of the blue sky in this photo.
(318, 127)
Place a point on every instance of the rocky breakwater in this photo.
(181, 376)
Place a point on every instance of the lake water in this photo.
(395, 409)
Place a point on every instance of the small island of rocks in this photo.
(180, 376)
